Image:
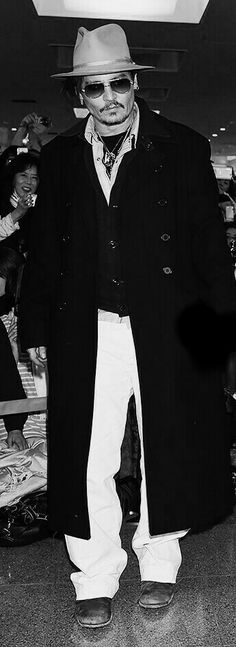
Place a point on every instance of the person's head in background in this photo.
(227, 186)
(20, 175)
(230, 231)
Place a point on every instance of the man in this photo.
(128, 263)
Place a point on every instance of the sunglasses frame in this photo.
(107, 85)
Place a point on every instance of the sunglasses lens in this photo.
(120, 85)
(95, 90)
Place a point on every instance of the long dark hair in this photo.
(10, 263)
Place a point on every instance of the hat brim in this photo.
(103, 69)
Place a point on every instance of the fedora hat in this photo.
(101, 51)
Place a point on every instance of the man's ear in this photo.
(79, 94)
(136, 85)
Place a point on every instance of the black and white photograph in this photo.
(118, 323)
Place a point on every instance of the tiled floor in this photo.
(37, 599)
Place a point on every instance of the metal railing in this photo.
(26, 405)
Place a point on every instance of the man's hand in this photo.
(32, 126)
(16, 440)
(33, 122)
(38, 355)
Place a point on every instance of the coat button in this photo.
(115, 206)
(158, 169)
(167, 270)
(68, 204)
(65, 238)
(165, 237)
(63, 305)
(163, 202)
(113, 244)
(117, 282)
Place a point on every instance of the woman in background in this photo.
(19, 179)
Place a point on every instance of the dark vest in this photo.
(111, 288)
(111, 292)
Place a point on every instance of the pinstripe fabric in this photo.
(36, 423)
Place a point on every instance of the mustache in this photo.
(112, 104)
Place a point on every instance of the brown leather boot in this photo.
(155, 595)
(94, 612)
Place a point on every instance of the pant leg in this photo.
(101, 558)
(159, 556)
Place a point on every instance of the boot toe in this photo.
(155, 595)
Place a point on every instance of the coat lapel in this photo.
(155, 145)
(155, 142)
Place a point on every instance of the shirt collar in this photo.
(91, 135)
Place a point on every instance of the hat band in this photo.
(114, 60)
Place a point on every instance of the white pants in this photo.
(101, 559)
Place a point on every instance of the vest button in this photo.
(115, 206)
(162, 203)
(167, 270)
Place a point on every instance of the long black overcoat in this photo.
(176, 266)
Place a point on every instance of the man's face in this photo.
(223, 185)
(111, 108)
(231, 238)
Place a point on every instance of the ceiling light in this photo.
(14, 130)
(150, 10)
(214, 135)
(222, 129)
(132, 10)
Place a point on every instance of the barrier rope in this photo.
(26, 405)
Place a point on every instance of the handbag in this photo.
(24, 522)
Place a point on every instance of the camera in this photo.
(46, 121)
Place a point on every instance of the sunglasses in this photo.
(95, 90)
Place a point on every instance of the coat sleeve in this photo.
(7, 227)
(210, 253)
(40, 271)
(208, 326)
